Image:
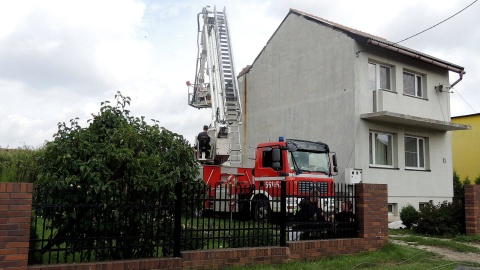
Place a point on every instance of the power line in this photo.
(436, 26)
(437, 23)
(466, 101)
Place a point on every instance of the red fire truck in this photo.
(303, 165)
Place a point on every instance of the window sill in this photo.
(417, 170)
(380, 167)
(388, 90)
(422, 98)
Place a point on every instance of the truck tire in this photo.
(262, 211)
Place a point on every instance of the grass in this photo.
(443, 243)
(464, 238)
(456, 243)
(391, 256)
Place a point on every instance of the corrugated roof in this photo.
(381, 42)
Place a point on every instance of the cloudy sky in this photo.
(60, 59)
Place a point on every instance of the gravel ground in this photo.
(448, 254)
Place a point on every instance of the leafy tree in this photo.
(109, 180)
(467, 181)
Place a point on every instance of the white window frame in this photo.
(418, 85)
(421, 205)
(392, 209)
(378, 83)
(419, 153)
(373, 149)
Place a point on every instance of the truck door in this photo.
(271, 162)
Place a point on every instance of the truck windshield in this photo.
(309, 161)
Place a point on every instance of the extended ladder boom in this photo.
(216, 86)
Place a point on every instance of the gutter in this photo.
(393, 48)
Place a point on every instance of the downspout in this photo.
(457, 81)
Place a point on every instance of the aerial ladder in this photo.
(216, 88)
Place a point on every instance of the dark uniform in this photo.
(204, 142)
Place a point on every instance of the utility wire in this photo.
(436, 26)
(466, 102)
(437, 23)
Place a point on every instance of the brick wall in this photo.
(371, 210)
(372, 214)
(15, 212)
(472, 209)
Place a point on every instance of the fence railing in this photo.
(68, 227)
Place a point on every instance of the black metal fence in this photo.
(124, 225)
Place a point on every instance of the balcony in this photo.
(389, 108)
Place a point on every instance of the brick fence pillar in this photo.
(372, 213)
(472, 209)
(15, 214)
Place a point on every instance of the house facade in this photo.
(383, 108)
(466, 156)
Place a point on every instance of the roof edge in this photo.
(382, 43)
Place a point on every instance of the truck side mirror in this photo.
(334, 160)
(276, 157)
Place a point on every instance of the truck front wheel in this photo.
(262, 211)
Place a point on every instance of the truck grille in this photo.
(305, 187)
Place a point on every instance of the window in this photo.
(392, 209)
(381, 149)
(422, 205)
(412, 85)
(414, 152)
(379, 77)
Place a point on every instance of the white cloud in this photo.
(61, 59)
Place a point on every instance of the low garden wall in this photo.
(472, 209)
(371, 211)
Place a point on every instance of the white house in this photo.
(383, 108)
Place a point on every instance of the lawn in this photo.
(391, 256)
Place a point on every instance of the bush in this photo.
(408, 215)
(19, 165)
(457, 188)
(477, 180)
(442, 219)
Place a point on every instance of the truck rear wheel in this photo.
(262, 211)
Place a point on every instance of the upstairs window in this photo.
(379, 77)
(381, 149)
(413, 85)
(415, 152)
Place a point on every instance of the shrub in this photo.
(19, 165)
(442, 219)
(477, 180)
(408, 215)
(457, 188)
